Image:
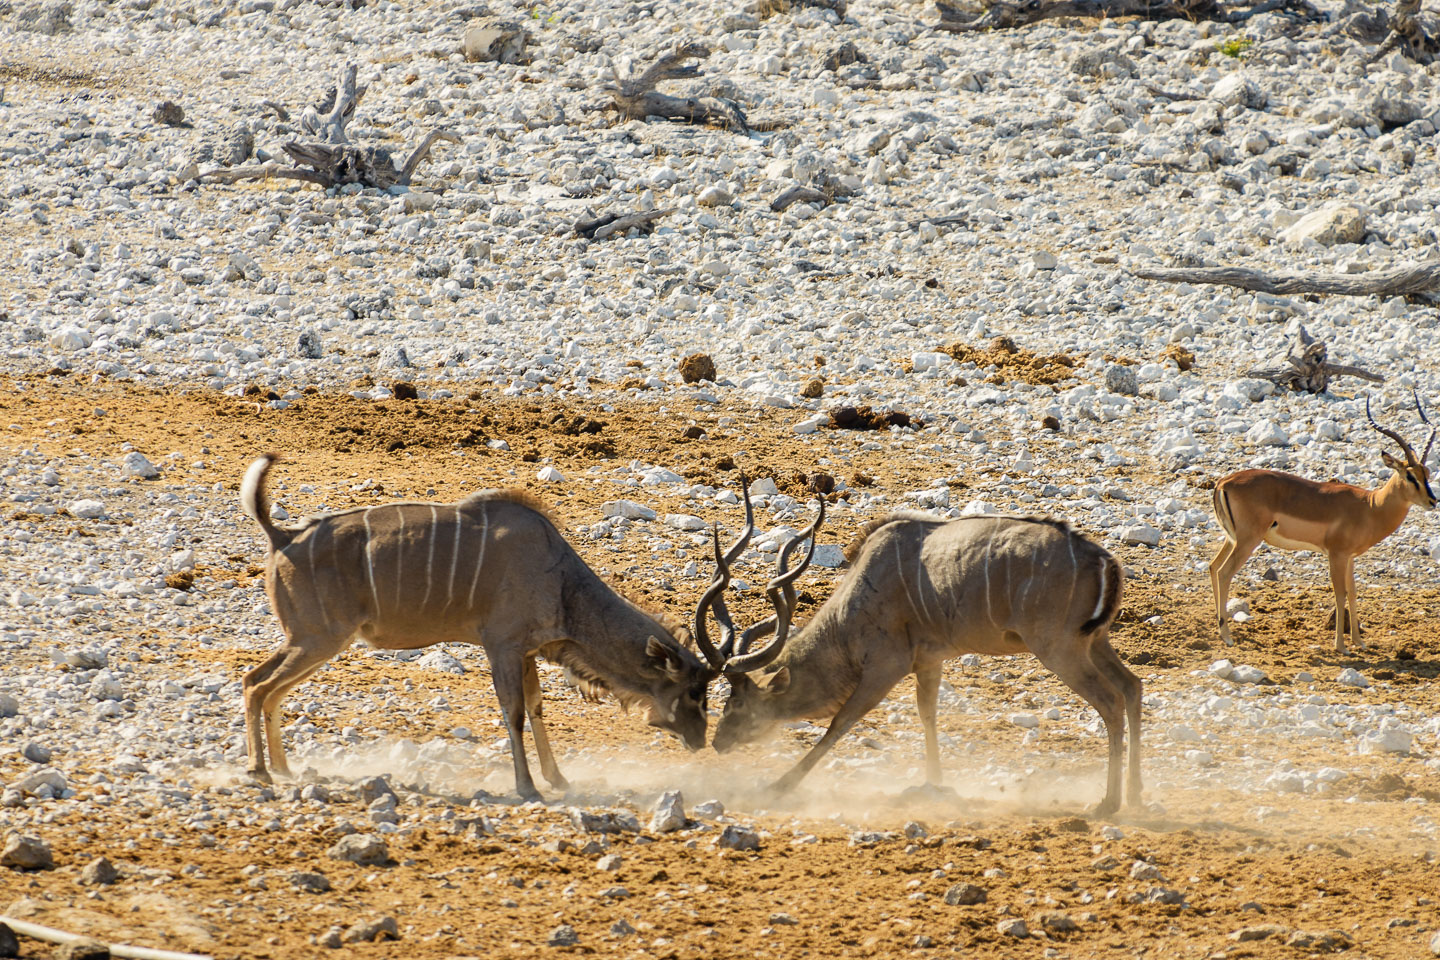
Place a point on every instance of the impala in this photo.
(491, 570)
(921, 591)
(1337, 519)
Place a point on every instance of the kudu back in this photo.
(491, 569)
(921, 591)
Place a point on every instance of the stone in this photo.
(309, 882)
(563, 936)
(136, 464)
(668, 814)
(1267, 433)
(628, 509)
(1259, 931)
(9, 706)
(494, 39)
(736, 837)
(621, 928)
(36, 752)
(47, 19)
(1321, 941)
(1248, 674)
(710, 809)
(1057, 920)
(24, 852)
(9, 943)
(1236, 88)
(715, 196)
(1350, 677)
(1435, 945)
(1026, 721)
(308, 345)
(549, 474)
(1122, 379)
(1336, 223)
(99, 872)
(86, 509)
(965, 894)
(365, 849)
(84, 949)
(169, 113)
(1140, 534)
(697, 367)
(372, 930)
(373, 788)
(1014, 927)
(1142, 870)
(609, 863)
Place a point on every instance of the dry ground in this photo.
(1351, 861)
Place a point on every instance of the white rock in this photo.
(829, 555)
(1350, 677)
(669, 813)
(763, 487)
(550, 474)
(1267, 433)
(684, 521)
(1140, 533)
(86, 509)
(628, 509)
(1244, 673)
(1027, 721)
(136, 464)
(71, 338)
(1221, 669)
(1394, 739)
(9, 706)
(1337, 223)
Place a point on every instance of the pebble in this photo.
(668, 814)
(736, 837)
(25, 852)
(609, 863)
(1014, 927)
(86, 509)
(99, 872)
(565, 936)
(965, 894)
(372, 930)
(1350, 677)
(361, 848)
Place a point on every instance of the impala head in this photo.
(752, 707)
(677, 681)
(1415, 476)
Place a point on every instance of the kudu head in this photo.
(1415, 482)
(677, 682)
(749, 712)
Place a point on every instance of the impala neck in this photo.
(1390, 504)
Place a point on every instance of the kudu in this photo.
(921, 591)
(1337, 519)
(491, 570)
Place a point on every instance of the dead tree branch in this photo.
(1007, 15)
(51, 935)
(612, 224)
(1405, 280)
(1302, 366)
(635, 97)
(1408, 35)
(799, 195)
(335, 161)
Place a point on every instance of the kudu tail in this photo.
(257, 506)
(1112, 577)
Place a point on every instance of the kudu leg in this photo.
(508, 674)
(927, 692)
(867, 697)
(1109, 662)
(1072, 664)
(264, 688)
(1338, 583)
(534, 709)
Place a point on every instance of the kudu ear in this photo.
(665, 657)
(780, 682)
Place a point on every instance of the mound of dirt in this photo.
(697, 367)
(868, 418)
(1013, 363)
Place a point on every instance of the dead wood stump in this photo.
(1302, 365)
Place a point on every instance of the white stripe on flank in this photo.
(1074, 573)
(400, 561)
(370, 561)
(920, 583)
(480, 559)
(430, 560)
(900, 572)
(1100, 600)
(454, 560)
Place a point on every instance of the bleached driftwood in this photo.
(635, 97)
(1303, 366)
(1006, 15)
(50, 935)
(335, 160)
(1405, 280)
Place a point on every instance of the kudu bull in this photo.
(923, 590)
(490, 569)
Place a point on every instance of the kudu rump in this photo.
(490, 569)
(923, 590)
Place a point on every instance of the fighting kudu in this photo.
(490, 569)
(1337, 519)
(921, 591)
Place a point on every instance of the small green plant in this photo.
(1235, 47)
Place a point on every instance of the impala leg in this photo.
(1073, 665)
(1354, 606)
(1222, 573)
(1338, 584)
(927, 692)
(534, 709)
(867, 697)
(508, 674)
(266, 686)
(1105, 657)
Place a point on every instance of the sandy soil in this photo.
(836, 874)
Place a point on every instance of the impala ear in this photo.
(780, 682)
(1391, 462)
(665, 657)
